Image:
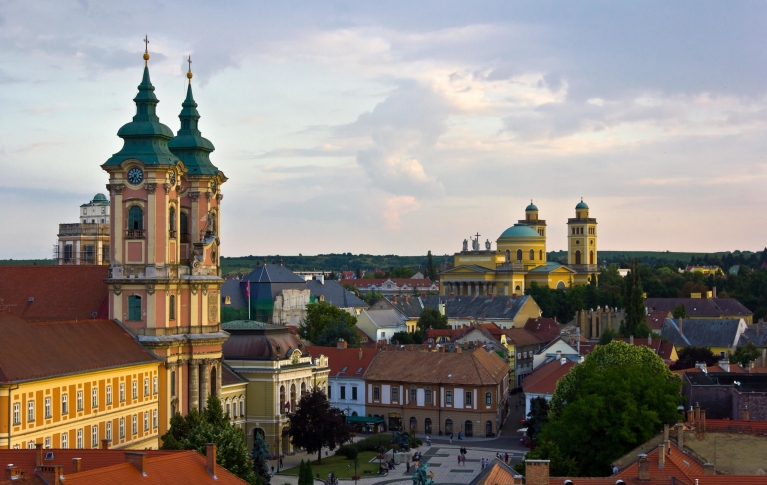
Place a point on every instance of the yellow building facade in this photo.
(520, 258)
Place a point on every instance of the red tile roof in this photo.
(44, 293)
(544, 379)
(367, 282)
(520, 336)
(736, 426)
(46, 349)
(655, 319)
(546, 329)
(355, 360)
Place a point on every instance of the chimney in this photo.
(452, 295)
(537, 472)
(51, 474)
(442, 349)
(360, 357)
(394, 298)
(661, 455)
(105, 444)
(703, 420)
(458, 350)
(138, 460)
(697, 412)
(746, 414)
(713, 291)
(210, 455)
(665, 432)
(341, 344)
(423, 296)
(280, 261)
(38, 454)
(649, 340)
(644, 468)
(76, 462)
(407, 299)
(559, 354)
(631, 340)
(691, 415)
(725, 365)
(12, 472)
(709, 468)
(680, 435)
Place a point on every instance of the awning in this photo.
(365, 419)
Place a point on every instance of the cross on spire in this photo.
(146, 44)
(189, 61)
(477, 234)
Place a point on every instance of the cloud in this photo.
(396, 207)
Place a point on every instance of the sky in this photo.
(403, 127)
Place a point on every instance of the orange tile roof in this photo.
(544, 379)
(736, 426)
(656, 318)
(546, 329)
(520, 336)
(44, 293)
(350, 359)
(25, 459)
(46, 349)
(460, 368)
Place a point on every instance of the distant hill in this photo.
(26, 262)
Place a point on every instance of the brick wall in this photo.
(716, 400)
(756, 402)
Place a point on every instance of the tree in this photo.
(431, 317)
(689, 356)
(260, 457)
(337, 329)
(617, 399)
(319, 315)
(745, 354)
(371, 297)
(680, 311)
(537, 417)
(302, 473)
(402, 272)
(315, 424)
(633, 301)
(560, 466)
(196, 430)
(402, 338)
(607, 336)
(358, 273)
(431, 271)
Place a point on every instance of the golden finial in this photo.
(189, 73)
(146, 50)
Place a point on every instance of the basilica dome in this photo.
(520, 230)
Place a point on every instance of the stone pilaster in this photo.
(204, 383)
(194, 385)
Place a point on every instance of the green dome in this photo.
(99, 197)
(531, 207)
(520, 230)
(581, 205)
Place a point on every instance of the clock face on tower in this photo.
(135, 175)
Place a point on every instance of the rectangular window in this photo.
(330, 392)
(79, 438)
(427, 395)
(47, 444)
(134, 308)
(134, 385)
(395, 394)
(31, 412)
(468, 398)
(134, 422)
(154, 385)
(109, 395)
(242, 408)
(154, 419)
(488, 398)
(343, 392)
(30, 445)
(64, 440)
(95, 398)
(354, 393)
(94, 436)
(122, 392)
(146, 387)
(16, 413)
(64, 404)
(376, 393)
(48, 411)
(109, 431)
(413, 395)
(229, 410)
(449, 397)
(79, 400)
(146, 420)
(122, 428)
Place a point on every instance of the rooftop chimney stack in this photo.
(631, 340)
(680, 435)
(210, 455)
(644, 468)
(76, 464)
(51, 474)
(746, 414)
(661, 455)
(105, 444)
(703, 420)
(138, 460)
(537, 472)
(341, 344)
(665, 432)
(12, 472)
(38, 454)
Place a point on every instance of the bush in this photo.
(349, 451)
(374, 443)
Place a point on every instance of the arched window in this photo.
(135, 218)
(134, 308)
(508, 255)
(173, 383)
(427, 425)
(293, 400)
(519, 255)
(561, 285)
(172, 307)
(540, 254)
(282, 399)
(303, 389)
(184, 229)
(577, 257)
(448, 426)
(172, 222)
(467, 428)
(532, 255)
(591, 257)
(488, 398)
(517, 288)
(413, 424)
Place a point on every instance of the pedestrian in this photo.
(459, 459)
(280, 463)
(408, 466)
(272, 470)
(506, 458)
(451, 438)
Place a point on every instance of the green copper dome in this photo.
(99, 197)
(581, 205)
(531, 207)
(189, 144)
(520, 230)
(145, 138)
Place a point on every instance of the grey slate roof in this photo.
(410, 307)
(464, 306)
(335, 294)
(756, 333)
(701, 333)
(700, 307)
(385, 318)
(231, 288)
(273, 273)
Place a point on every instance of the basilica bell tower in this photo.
(164, 278)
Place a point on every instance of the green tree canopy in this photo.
(431, 317)
(431, 271)
(633, 302)
(617, 399)
(537, 417)
(319, 315)
(196, 430)
(402, 272)
(745, 354)
(689, 356)
(607, 336)
(260, 456)
(337, 329)
(315, 424)
(680, 311)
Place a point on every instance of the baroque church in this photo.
(164, 278)
(520, 258)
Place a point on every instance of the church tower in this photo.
(532, 220)
(582, 238)
(164, 277)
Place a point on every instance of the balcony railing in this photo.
(135, 234)
(83, 229)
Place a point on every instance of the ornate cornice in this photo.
(116, 188)
(194, 196)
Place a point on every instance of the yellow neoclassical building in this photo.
(520, 258)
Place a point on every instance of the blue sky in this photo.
(402, 127)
